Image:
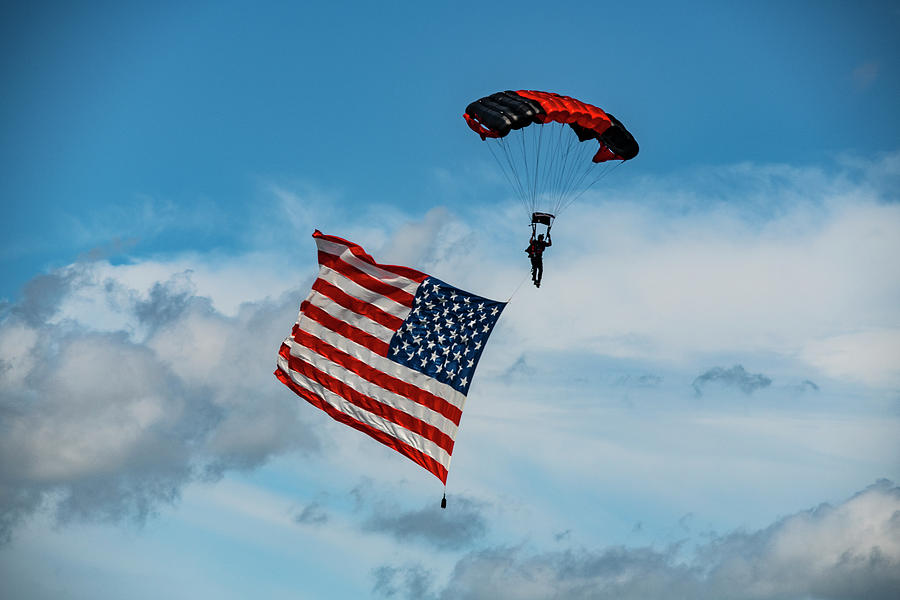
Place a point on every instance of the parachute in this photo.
(550, 166)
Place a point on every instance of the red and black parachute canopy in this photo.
(550, 161)
(496, 115)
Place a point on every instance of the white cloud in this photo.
(741, 260)
(114, 397)
(17, 341)
(848, 551)
(712, 285)
(171, 358)
(872, 357)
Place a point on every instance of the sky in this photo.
(701, 401)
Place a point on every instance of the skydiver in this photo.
(535, 252)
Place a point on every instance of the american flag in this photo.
(387, 350)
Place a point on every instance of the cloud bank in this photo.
(444, 530)
(843, 552)
(119, 384)
(113, 397)
(793, 263)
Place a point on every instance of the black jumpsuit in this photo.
(536, 251)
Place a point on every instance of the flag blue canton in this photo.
(445, 333)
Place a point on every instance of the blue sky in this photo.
(705, 389)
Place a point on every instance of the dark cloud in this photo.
(312, 514)
(410, 581)
(736, 376)
(99, 425)
(520, 369)
(458, 526)
(17, 504)
(361, 493)
(844, 552)
(167, 301)
(619, 573)
(133, 496)
(110, 426)
(114, 247)
(809, 385)
(41, 296)
(806, 386)
(639, 381)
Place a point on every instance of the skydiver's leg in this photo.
(540, 272)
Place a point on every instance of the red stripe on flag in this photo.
(379, 378)
(364, 279)
(356, 305)
(400, 446)
(345, 329)
(361, 254)
(388, 413)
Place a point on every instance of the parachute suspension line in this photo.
(577, 182)
(575, 187)
(552, 173)
(582, 163)
(606, 171)
(500, 164)
(552, 181)
(536, 143)
(554, 164)
(530, 198)
(562, 162)
(536, 139)
(509, 171)
(515, 160)
(523, 163)
(573, 149)
(543, 179)
(520, 167)
(563, 151)
(603, 173)
(548, 171)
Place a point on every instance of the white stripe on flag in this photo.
(392, 429)
(372, 390)
(348, 316)
(366, 295)
(348, 257)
